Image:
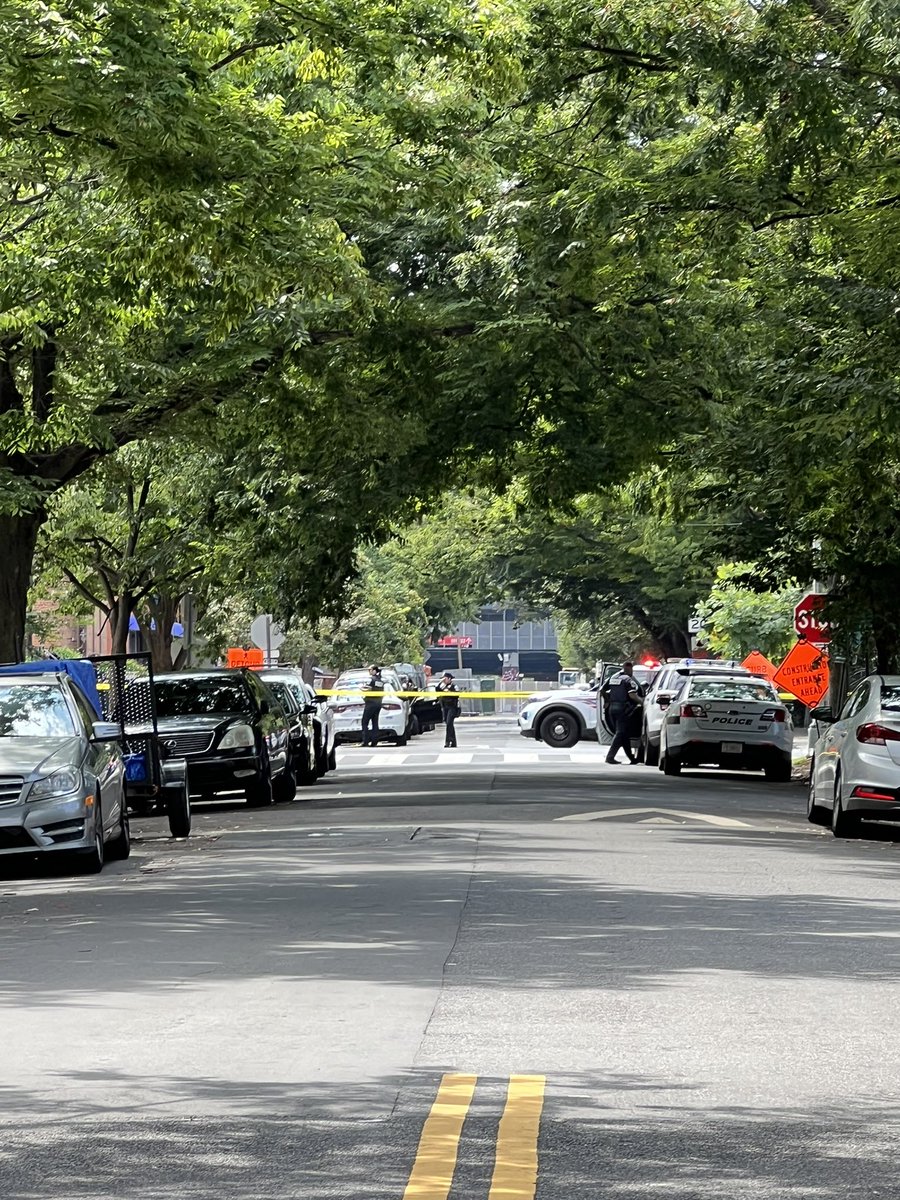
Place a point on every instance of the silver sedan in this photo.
(855, 768)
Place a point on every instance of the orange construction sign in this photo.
(757, 662)
(804, 673)
(238, 657)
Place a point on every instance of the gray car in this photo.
(61, 773)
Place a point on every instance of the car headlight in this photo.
(60, 783)
(237, 736)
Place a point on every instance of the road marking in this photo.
(432, 1173)
(516, 1164)
(706, 818)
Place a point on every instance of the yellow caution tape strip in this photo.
(355, 692)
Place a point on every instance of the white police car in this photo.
(736, 722)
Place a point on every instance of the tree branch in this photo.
(84, 592)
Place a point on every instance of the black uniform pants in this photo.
(450, 726)
(370, 723)
(620, 719)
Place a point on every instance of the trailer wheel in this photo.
(178, 810)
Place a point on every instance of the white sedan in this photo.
(347, 707)
(735, 722)
(855, 768)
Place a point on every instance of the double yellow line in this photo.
(516, 1161)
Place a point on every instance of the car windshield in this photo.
(890, 697)
(34, 710)
(201, 695)
(730, 689)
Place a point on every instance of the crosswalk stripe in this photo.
(516, 1163)
(432, 1173)
(355, 761)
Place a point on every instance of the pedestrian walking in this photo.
(622, 693)
(372, 707)
(449, 708)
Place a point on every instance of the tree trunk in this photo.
(18, 537)
(156, 620)
(119, 620)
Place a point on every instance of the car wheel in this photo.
(779, 772)
(284, 788)
(178, 811)
(258, 792)
(560, 730)
(670, 764)
(651, 752)
(815, 813)
(332, 760)
(401, 739)
(120, 847)
(843, 824)
(91, 861)
(306, 772)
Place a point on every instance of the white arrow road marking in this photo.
(707, 818)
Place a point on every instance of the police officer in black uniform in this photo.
(450, 708)
(372, 707)
(623, 694)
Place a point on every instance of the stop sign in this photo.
(808, 619)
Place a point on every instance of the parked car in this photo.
(290, 692)
(230, 730)
(62, 774)
(732, 721)
(667, 683)
(426, 707)
(347, 708)
(855, 766)
(322, 717)
(563, 716)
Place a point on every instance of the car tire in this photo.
(305, 773)
(843, 824)
(91, 861)
(332, 759)
(284, 788)
(651, 752)
(815, 813)
(779, 772)
(401, 739)
(178, 811)
(258, 792)
(559, 729)
(670, 765)
(120, 847)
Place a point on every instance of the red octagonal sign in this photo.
(808, 620)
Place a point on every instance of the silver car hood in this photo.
(39, 755)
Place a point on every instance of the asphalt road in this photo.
(672, 988)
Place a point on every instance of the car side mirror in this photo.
(664, 699)
(106, 731)
(823, 714)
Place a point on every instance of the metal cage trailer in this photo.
(156, 782)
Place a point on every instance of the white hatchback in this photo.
(855, 768)
(736, 722)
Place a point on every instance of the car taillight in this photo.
(774, 714)
(392, 707)
(876, 735)
(693, 710)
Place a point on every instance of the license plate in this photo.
(732, 748)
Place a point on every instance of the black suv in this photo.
(230, 729)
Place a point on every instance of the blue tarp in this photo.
(80, 669)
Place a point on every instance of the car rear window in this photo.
(34, 710)
(730, 689)
(890, 697)
(201, 696)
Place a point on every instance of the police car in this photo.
(564, 716)
(732, 721)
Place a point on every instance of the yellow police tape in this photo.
(355, 692)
